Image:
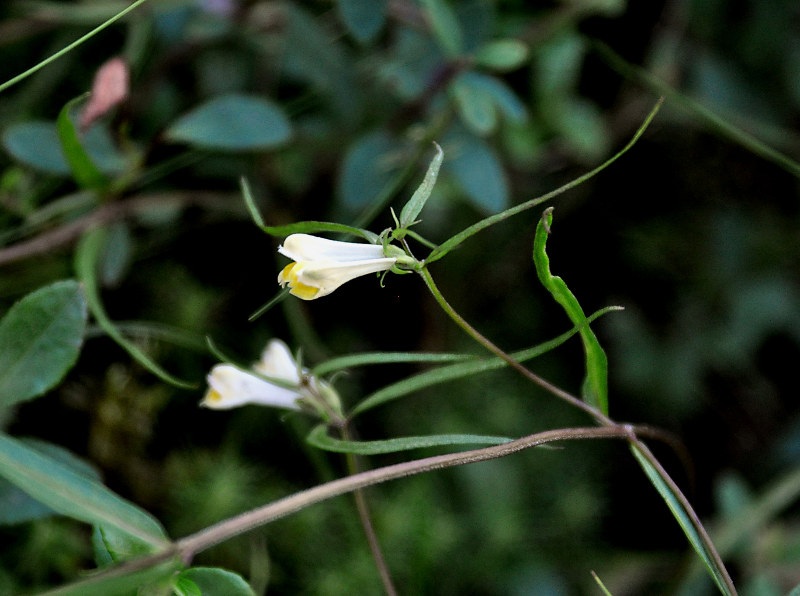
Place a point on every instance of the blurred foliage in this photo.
(328, 110)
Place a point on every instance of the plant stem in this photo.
(250, 520)
(630, 431)
(366, 520)
(494, 349)
(70, 47)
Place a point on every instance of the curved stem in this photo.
(629, 430)
(494, 349)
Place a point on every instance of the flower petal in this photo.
(328, 275)
(289, 276)
(305, 247)
(277, 362)
(230, 387)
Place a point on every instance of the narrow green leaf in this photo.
(684, 520)
(319, 438)
(445, 26)
(72, 494)
(353, 360)
(595, 385)
(463, 369)
(454, 241)
(86, 259)
(17, 506)
(214, 581)
(40, 339)
(70, 47)
(233, 123)
(122, 581)
(600, 583)
(279, 297)
(83, 169)
(363, 18)
(302, 227)
(417, 201)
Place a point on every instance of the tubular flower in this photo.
(230, 387)
(320, 265)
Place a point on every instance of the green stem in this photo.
(494, 349)
(630, 431)
(70, 47)
(695, 108)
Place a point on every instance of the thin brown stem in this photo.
(366, 521)
(70, 232)
(250, 520)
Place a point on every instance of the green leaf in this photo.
(502, 54)
(40, 339)
(463, 369)
(72, 494)
(301, 227)
(595, 385)
(683, 517)
(454, 241)
(319, 438)
(475, 106)
(214, 581)
(87, 256)
(417, 201)
(369, 164)
(477, 169)
(36, 144)
(505, 100)
(352, 360)
(363, 18)
(122, 581)
(17, 506)
(445, 26)
(233, 123)
(83, 170)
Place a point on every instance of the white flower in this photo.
(323, 265)
(230, 387)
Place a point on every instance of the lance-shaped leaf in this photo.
(595, 385)
(301, 227)
(74, 495)
(319, 438)
(417, 201)
(86, 174)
